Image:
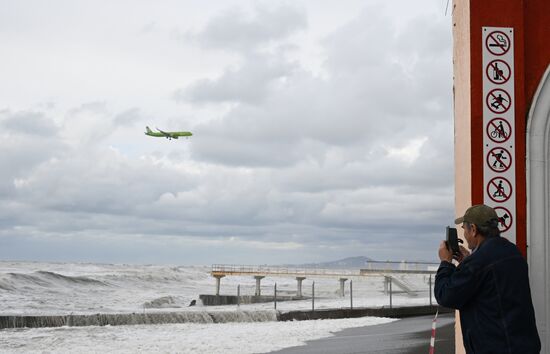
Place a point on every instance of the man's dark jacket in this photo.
(491, 289)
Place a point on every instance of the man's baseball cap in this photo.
(478, 214)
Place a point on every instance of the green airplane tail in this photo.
(148, 130)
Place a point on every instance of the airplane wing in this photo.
(169, 135)
(166, 134)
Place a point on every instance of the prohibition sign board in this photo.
(499, 189)
(498, 101)
(499, 130)
(505, 219)
(498, 71)
(497, 43)
(499, 159)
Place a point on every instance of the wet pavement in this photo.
(404, 336)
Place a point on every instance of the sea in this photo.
(71, 289)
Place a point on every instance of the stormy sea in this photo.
(168, 296)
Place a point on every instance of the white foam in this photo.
(224, 338)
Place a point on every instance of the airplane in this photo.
(167, 135)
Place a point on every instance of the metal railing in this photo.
(401, 266)
(372, 267)
(275, 270)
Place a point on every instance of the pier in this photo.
(386, 269)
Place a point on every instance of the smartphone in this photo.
(452, 240)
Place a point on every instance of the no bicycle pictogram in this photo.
(497, 43)
(499, 130)
(498, 101)
(498, 72)
(499, 159)
(499, 189)
(505, 219)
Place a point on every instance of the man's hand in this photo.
(444, 253)
(463, 254)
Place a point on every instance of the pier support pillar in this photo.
(342, 283)
(218, 278)
(299, 286)
(386, 284)
(258, 280)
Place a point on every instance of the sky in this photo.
(321, 130)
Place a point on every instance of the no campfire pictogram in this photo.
(498, 72)
(499, 130)
(499, 159)
(498, 101)
(505, 219)
(497, 43)
(499, 189)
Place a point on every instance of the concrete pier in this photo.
(218, 280)
(258, 280)
(299, 286)
(342, 284)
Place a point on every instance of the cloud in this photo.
(250, 83)
(358, 159)
(28, 123)
(28, 140)
(241, 30)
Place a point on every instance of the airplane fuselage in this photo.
(167, 135)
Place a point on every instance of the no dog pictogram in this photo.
(498, 130)
(499, 189)
(505, 219)
(498, 72)
(499, 159)
(498, 101)
(497, 43)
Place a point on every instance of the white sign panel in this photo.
(499, 173)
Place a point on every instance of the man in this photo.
(490, 288)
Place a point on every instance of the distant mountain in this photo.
(350, 262)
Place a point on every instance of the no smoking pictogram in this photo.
(498, 101)
(499, 159)
(499, 130)
(505, 219)
(499, 189)
(498, 71)
(497, 43)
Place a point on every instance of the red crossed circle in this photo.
(505, 219)
(497, 95)
(497, 39)
(494, 66)
(495, 133)
(502, 159)
(499, 187)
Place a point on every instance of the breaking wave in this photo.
(12, 281)
(72, 280)
(162, 302)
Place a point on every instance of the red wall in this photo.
(529, 18)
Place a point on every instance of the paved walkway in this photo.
(405, 336)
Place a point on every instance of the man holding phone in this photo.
(490, 288)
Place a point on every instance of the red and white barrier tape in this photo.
(432, 340)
